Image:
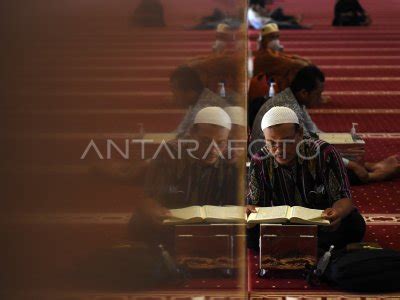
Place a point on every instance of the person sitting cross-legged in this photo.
(294, 171)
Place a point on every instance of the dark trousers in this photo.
(351, 230)
(278, 15)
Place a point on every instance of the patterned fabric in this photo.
(313, 183)
(207, 98)
(285, 98)
(180, 182)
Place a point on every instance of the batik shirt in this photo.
(314, 183)
(178, 180)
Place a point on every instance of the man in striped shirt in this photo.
(291, 170)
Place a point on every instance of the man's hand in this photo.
(159, 214)
(334, 218)
(250, 209)
(162, 212)
(155, 212)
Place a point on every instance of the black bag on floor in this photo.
(365, 270)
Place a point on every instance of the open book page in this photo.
(276, 214)
(191, 214)
(303, 215)
(227, 214)
(339, 138)
(336, 138)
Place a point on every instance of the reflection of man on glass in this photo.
(189, 172)
(309, 173)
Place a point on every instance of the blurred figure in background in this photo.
(273, 62)
(363, 173)
(224, 39)
(350, 13)
(274, 70)
(189, 91)
(259, 15)
(211, 22)
(221, 72)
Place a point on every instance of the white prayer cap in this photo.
(279, 115)
(237, 115)
(213, 115)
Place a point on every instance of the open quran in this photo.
(287, 214)
(237, 214)
(207, 214)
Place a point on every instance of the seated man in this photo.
(350, 13)
(187, 172)
(309, 173)
(270, 62)
(188, 91)
(258, 16)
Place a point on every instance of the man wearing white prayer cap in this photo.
(305, 91)
(191, 171)
(186, 172)
(290, 170)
